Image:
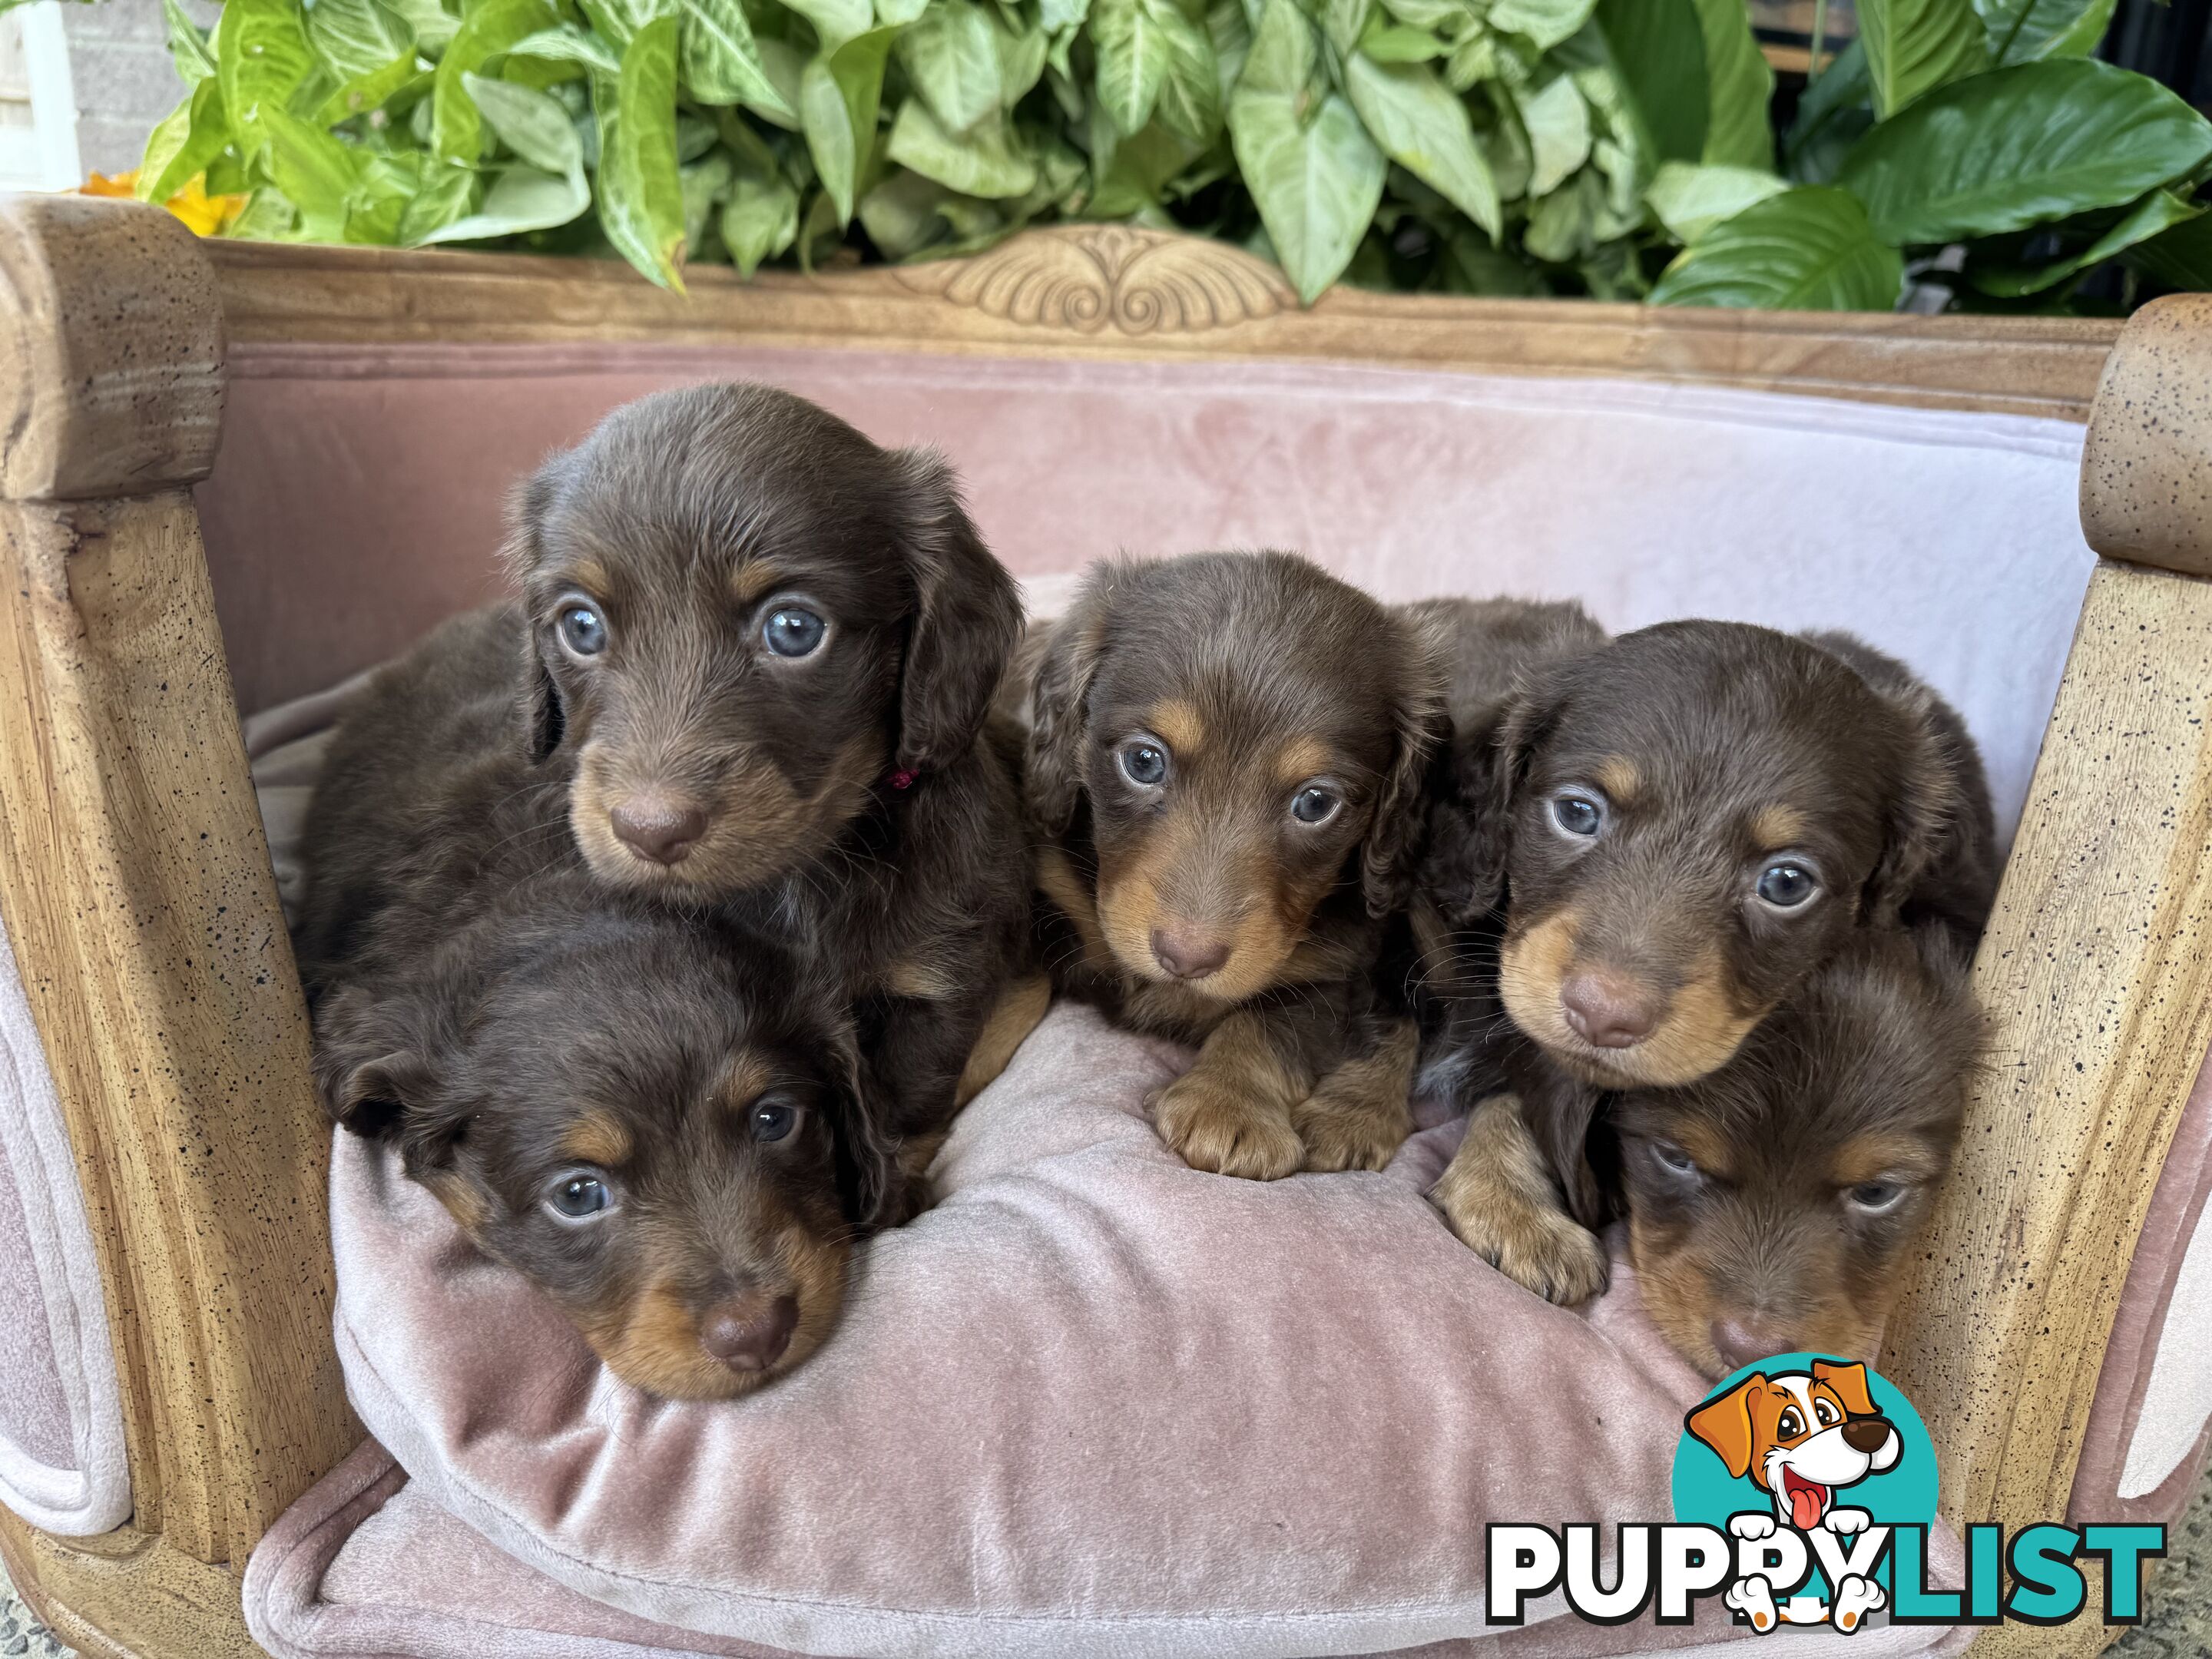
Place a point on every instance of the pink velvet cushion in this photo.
(1095, 1402)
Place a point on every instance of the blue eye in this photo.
(579, 1197)
(1314, 804)
(1145, 763)
(583, 631)
(1672, 1159)
(1578, 815)
(1785, 886)
(793, 631)
(772, 1120)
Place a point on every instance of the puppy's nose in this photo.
(1866, 1434)
(657, 827)
(1608, 1010)
(749, 1333)
(1742, 1341)
(1186, 956)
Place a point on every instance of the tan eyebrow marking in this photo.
(590, 575)
(1300, 758)
(1617, 776)
(1178, 723)
(1778, 826)
(754, 579)
(598, 1137)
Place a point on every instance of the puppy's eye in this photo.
(578, 1195)
(772, 1120)
(1786, 885)
(1672, 1159)
(1144, 762)
(1824, 1414)
(1315, 804)
(583, 630)
(1877, 1197)
(1788, 1426)
(793, 630)
(1578, 814)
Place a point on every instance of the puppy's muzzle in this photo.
(1608, 1010)
(659, 827)
(1188, 953)
(751, 1330)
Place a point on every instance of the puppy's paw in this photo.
(1214, 1127)
(1855, 1597)
(1341, 1136)
(1539, 1248)
(1847, 1521)
(1754, 1599)
(1753, 1524)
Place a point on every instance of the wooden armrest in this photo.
(2147, 461)
(135, 885)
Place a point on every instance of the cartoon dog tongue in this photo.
(1807, 1500)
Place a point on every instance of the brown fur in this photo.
(1496, 1195)
(1240, 669)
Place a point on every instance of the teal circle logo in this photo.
(1806, 1443)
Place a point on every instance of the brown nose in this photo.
(749, 1333)
(657, 827)
(1742, 1341)
(1608, 1010)
(1186, 956)
(1866, 1434)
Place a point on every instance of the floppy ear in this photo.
(1725, 1424)
(540, 716)
(967, 620)
(1470, 821)
(1850, 1383)
(1390, 860)
(870, 1185)
(1060, 697)
(377, 1072)
(1926, 811)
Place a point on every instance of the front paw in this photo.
(1855, 1597)
(1216, 1128)
(1337, 1138)
(1847, 1521)
(1539, 1248)
(1753, 1524)
(1754, 1599)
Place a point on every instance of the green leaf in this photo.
(618, 21)
(1558, 122)
(1394, 43)
(1282, 59)
(759, 222)
(188, 48)
(535, 125)
(1058, 16)
(2017, 147)
(565, 43)
(1913, 47)
(1545, 23)
(1809, 249)
(951, 55)
(1022, 54)
(1190, 96)
(268, 218)
(182, 146)
(1343, 21)
(786, 67)
(316, 172)
(446, 193)
(2157, 213)
(2020, 30)
(1131, 52)
(261, 57)
(982, 161)
(1316, 182)
(704, 182)
(493, 28)
(1690, 200)
(370, 91)
(2180, 257)
(1739, 87)
(641, 196)
(838, 98)
(1425, 129)
(1835, 111)
(836, 22)
(524, 198)
(1659, 49)
(379, 203)
(722, 62)
(358, 38)
(435, 27)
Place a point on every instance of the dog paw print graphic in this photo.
(1808, 1463)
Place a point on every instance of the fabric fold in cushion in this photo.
(1093, 1402)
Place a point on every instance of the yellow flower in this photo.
(208, 216)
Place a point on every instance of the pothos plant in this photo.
(1617, 147)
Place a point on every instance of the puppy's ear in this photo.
(377, 1069)
(1850, 1383)
(1471, 817)
(1060, 699)
(967, 620)
(1925, 812)
(540, 715)
(1725, 1424)
(1419, 723)
(870, 1186)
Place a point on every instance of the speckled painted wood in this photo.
(2146, 458)
(2097, 972)
(126, 1595)
(1117, 291)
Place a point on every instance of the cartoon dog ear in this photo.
(967, 620)
(1725, 1424)
(1850, 1383)
(1059, 704)
(377, 1069)
(540, 715)
(1419, 723)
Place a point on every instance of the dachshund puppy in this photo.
(660, 1123)
(749, 670)
(1667, 836)
(1771, 1204)
(1226, 758)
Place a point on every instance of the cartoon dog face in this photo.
(1800, 1435)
